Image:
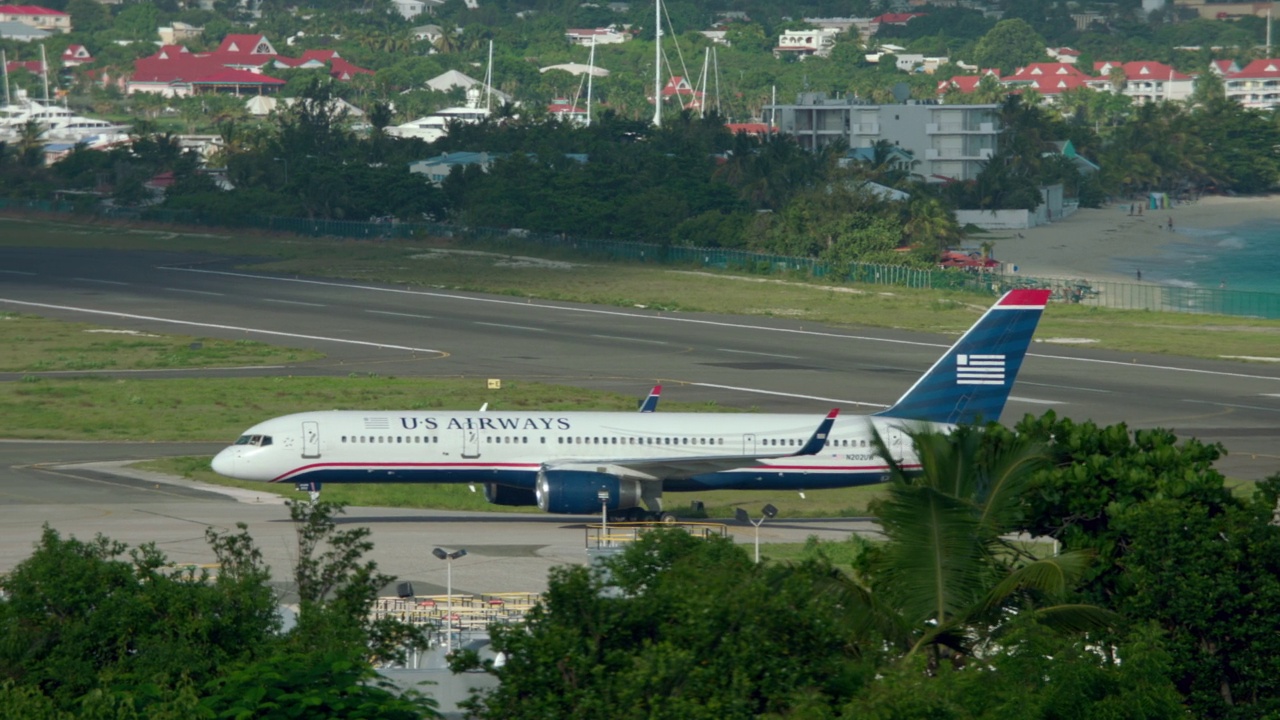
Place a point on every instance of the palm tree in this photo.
(1118, 79)
(947, 575)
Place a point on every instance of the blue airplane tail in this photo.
(971, 382)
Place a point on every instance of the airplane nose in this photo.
(224, 463)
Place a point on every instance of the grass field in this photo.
(413, 264)
(214, 409)
(35, 344)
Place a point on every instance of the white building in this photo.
(804, 43)
(409, 9)
(948, 142)
(1255, 86)
(598, 36)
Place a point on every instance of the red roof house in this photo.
(175, 70)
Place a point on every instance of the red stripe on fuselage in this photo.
(405, 465)
(496, 466)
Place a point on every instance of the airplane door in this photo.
(749, 444)
(894, 441)
(310, 439)
(471, 443)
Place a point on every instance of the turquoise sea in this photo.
(1244, 258)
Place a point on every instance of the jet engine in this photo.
(577, 492)
(506, 495)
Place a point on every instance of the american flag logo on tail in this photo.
(980, 369)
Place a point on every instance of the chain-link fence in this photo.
(1127, 296)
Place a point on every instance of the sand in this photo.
(1086, 244)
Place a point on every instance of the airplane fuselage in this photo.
(510, 447)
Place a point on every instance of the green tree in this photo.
(1174, 547)
(1010, 44)
(946, 575)
(678, 627)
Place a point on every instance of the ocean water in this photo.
(1243, 257)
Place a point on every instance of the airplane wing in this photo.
(672, 468)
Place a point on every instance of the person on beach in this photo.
(1139, 274)
(1171, 224)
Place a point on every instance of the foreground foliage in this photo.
(944, 619)
(97, 630)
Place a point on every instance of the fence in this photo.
(1125, 296)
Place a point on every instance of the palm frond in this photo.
(932, 566)
(1052, 576)
(1072, 619)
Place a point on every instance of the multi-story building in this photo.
(1144, 81)
(36, 17)
(1255, 86)
(948, 142)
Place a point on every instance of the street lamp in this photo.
(768, 511)
(603, 495)
(448, 557)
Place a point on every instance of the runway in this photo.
(773, 364)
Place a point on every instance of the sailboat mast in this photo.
(657, 63)
(488, 80)
(591, 71)
(702, 100)
(715, 62)
(4, 63)
(44, 73)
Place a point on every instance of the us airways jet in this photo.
(572, 462)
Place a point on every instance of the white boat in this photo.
(56, 123)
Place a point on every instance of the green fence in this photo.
(1126, 296)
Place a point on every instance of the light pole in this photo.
(604, 514)
(448, 557)
(768, 511)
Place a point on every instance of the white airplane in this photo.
(573, 462)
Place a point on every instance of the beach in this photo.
(1108, 244)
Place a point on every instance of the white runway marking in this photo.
(15, 272)
(399, 314)
(292, 302)
(1064, 387)
(762, 354)
(104, 282)
(784, 394)
(195, 292)
(1035, 401)
(668, 318)
(1233, 405)
(189, 323)
(628, 339)
(513, 327)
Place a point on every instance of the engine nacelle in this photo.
(506, 495)
(577, 492)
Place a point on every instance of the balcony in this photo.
(958, 154)
(866, 128)
(985, 128)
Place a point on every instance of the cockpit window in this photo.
(254, 440)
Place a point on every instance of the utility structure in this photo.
(448, 557)
(767, 512)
